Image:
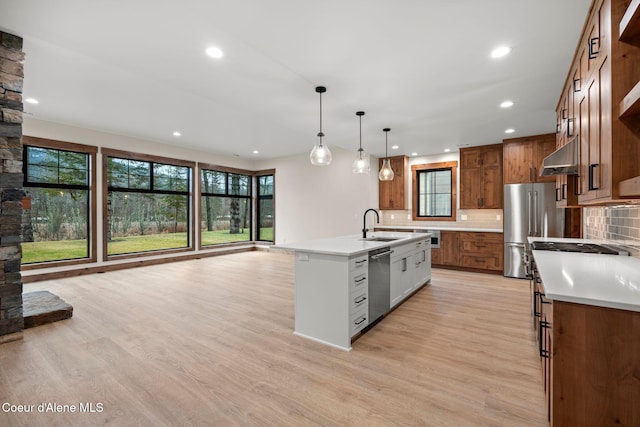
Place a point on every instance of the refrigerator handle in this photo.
(535, 213)
(529, 212)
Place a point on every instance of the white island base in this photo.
(332, 283)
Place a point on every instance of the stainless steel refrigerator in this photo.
(529, 210)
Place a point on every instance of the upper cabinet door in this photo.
(392, 195)
(481, 177)
(523, 158)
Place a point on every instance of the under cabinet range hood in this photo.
(563, 161)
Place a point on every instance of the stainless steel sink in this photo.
(381, 239)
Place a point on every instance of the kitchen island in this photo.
(345, 284)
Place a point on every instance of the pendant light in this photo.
(361, 164)
(386, 173)
(320, 154)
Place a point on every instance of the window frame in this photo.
(415, 170)
(91, 151)
(227, 170)
(258, 174)
(128, 155)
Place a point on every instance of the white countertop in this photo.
(440, 228)
(353, 244)
(602, 280)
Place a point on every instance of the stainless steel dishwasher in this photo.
(379, 283)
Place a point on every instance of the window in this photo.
(58, 181)
(266, 210)
(148, 203)
(225, 206)
(434, 191)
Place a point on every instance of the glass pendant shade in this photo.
(386, 173)
(361, 164)
(320, 155)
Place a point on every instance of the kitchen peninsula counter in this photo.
(353, 244)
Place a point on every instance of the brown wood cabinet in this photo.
(393, 195)
(523, 158)
(597, 105)
(481, 177)
(483, 251)
(449, 247)
(588, 357)
(467, 250)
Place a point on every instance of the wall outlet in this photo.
(463, 217)
(498, 217)
(393, 216)
(408, 216)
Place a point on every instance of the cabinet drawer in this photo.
(480, 247)
(482, 262)
(359, 283)
(359, 320)
(359, 301)
(359, 263)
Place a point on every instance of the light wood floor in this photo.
(209, 342)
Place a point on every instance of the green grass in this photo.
(53, 250)
(223, 236)
(150, 242)
(34, 252)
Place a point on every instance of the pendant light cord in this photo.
(320, 134)
(386, 144)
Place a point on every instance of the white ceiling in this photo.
(420, 67)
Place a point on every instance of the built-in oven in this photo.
(435, 237)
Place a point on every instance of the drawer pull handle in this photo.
(576, 85)
(544, 352)
(360, 280)
(360, 320)
(358, 301)
(361, 261)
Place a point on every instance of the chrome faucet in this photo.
(364, 221)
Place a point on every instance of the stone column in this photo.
(11, 190)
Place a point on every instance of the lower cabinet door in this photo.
(399, 268)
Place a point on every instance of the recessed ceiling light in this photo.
(414, 154)
(509, 131)
(214, 52)
(256, 152)
(32, 101)
(395, 147)
(446, 150)
(501, 51)
(506, 104)
(176, 133)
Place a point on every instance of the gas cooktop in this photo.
(585, 248)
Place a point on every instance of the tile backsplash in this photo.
(475, 218)
(618, 225)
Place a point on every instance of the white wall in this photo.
(61, 132)
(314, 202)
